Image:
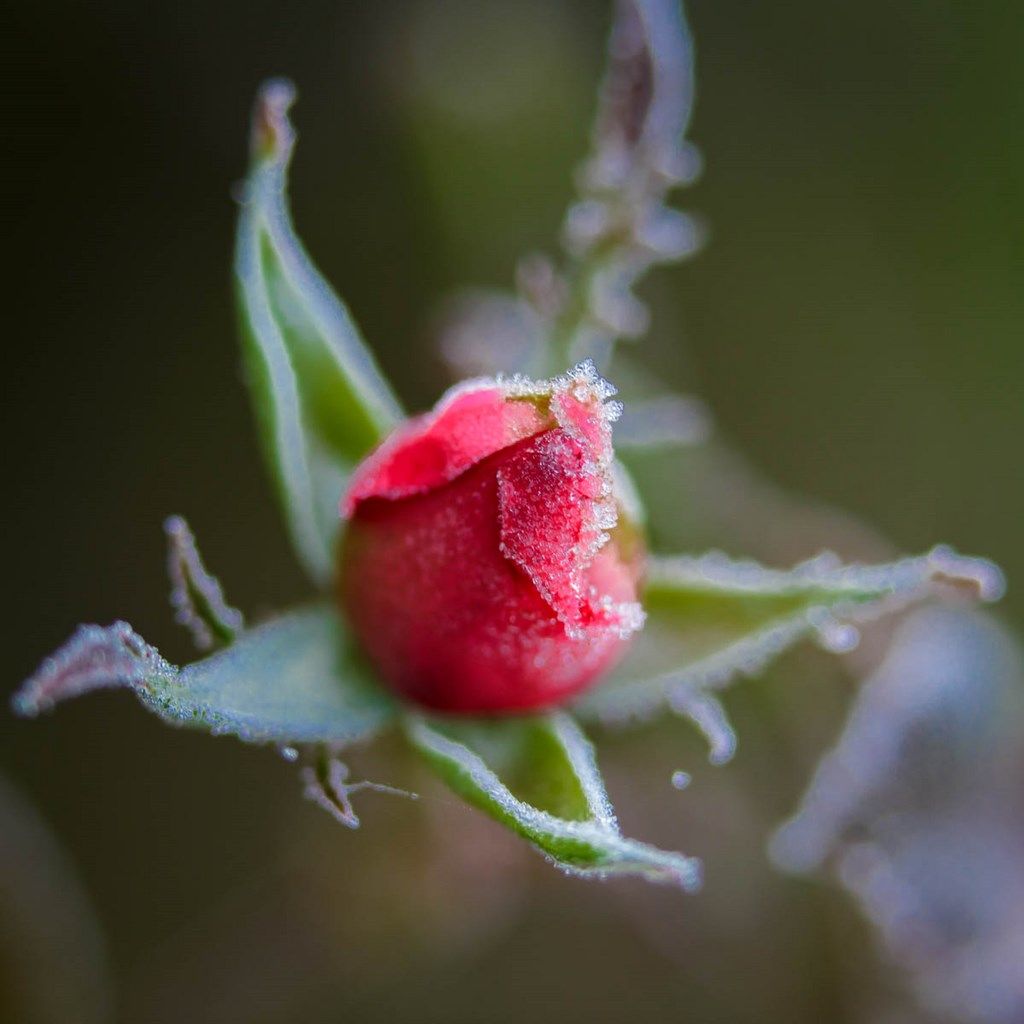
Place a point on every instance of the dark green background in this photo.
(856, 324)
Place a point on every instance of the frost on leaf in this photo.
(291, 680)
(321, 402)
(918, 811)
(196, 596)
(95, 658)
(712, 619)
(539, 779)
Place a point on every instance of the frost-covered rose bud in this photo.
(484, 568)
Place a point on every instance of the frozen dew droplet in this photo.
(837, 637)
(289, 753)
(681, 779)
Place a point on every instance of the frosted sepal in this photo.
(711, 620)
(321, 402)
(196, 595)
(558, 803)
(289, 681)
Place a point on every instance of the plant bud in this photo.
(484, 568)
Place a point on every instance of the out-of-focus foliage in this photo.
(917, 811)
(53, 967)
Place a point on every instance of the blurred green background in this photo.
(855, 323)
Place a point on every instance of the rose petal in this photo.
(473, 422)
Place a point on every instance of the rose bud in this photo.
(484, 569)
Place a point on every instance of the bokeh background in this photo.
(855, 324)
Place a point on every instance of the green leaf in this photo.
(321, 402)
(711, 620)
(291, 680)
(538, 777)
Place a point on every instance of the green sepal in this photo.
(292, 680)
(711, 620)
(538, 777)
(196, 595)
(321, 402)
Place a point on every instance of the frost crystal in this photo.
(196, 596)
(589, 843)
(820, 597)
(237, 691)
(558, 498)
(96, 657)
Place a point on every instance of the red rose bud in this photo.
(483, 569)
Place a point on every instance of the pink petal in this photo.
(433, 449)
